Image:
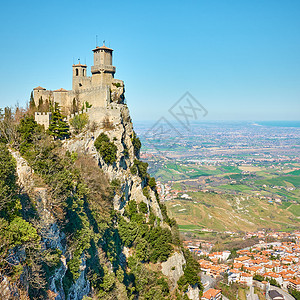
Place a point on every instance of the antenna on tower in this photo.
(103, 42)
(79, 61)
(96, 40)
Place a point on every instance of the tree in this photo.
(136, 145)
(40, 106)
(32, 106)
(107, 149)
(27, 130)
(79, 122)
(58, 128)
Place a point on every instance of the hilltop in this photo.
(80, 215)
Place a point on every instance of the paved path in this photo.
(251, 295)
(207, 281)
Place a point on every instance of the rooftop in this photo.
(103, 47)
(39, 88)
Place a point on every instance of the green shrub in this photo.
(79, 122)
(152, 183)
(136, 145)
(133, 170)
(27, 129)
(142, 169)
(143, 207)
(107, 149)
(146, 192)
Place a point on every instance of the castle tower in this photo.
(79, 76)
(102, 71)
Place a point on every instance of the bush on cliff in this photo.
(107, 149)
(79, 122)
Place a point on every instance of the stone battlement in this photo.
(71, 116)
(43, 118)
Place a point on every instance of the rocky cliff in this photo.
(99, 229)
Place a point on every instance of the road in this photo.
(207, 281)
(251, 295)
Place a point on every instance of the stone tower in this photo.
(102, 71)
(79, 76)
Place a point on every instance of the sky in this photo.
(239, 59)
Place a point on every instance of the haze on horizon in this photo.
(240, 60)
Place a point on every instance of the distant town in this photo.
(233, 189)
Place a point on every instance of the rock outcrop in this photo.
(173, 267)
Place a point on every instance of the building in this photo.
(294, 284)
(274, 295)
(99, 91)
(212, 294)
(246, 278)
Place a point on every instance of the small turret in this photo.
(79, 74)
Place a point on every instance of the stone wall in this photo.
(43, 118)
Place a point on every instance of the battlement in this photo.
(103, 68)
(71, 116)
(43, 118)
(43, 113)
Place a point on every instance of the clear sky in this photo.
(240, 59)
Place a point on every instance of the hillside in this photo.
(81, 217)
(229, 213)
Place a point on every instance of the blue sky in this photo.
(240, 59)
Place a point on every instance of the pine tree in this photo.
(58, 127)
(31, 102)
(40, 107)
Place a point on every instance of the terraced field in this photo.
(227, 212)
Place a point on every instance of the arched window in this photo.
(76, 72)
(83, 72)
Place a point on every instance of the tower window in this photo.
(76, 72)
(83, 72)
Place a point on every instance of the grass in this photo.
(242, 294)
(230, 169)
(189, 227)
(235, 187)
(229, 212)
(295, 209)
(281, 181)
(296, 172)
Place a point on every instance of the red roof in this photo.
(60, 90)
(211, 293)
(39, 88)
(79, 65)
(103, 47)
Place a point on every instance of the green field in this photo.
(295, 209)
(228, 212)
(236, 187)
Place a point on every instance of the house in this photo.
(234, 275)
(275, 276)
(212, 294)
(246, 278)
(294, 284)
(245, 260)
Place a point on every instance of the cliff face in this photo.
(102, 232)
(116, 124)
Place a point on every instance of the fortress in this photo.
(99, 91)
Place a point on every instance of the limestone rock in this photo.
(173, 267)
